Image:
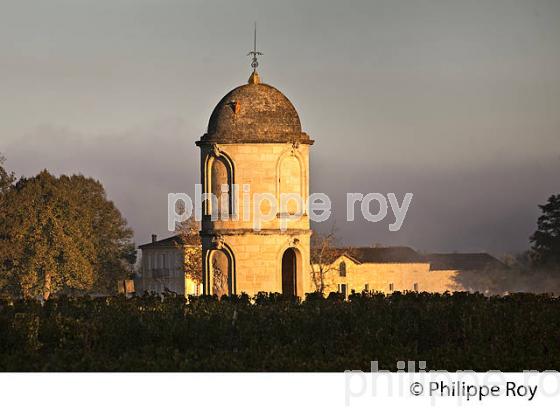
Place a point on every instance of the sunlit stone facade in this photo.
(254, 143)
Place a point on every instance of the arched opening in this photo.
(342, 268)
(220, 184)
(221, 273)
(290, 183)
(289, 272)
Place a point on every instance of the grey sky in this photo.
(455, 101)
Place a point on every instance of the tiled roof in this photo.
(394, 254)
(404, 254)
(463, 261)
(171, 242)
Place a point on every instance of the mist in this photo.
(456, 102)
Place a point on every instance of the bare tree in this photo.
(323, 254)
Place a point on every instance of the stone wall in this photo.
(257, 260)
(256, 256)
(380, 276)
(162, 268)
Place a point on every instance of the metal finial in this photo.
(255, 53)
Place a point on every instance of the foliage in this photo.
(278, 333)
(188, 231)
(112, 238)
(61, 235)
(546, 239)
(6, 178)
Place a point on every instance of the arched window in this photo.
(342, 268)
(221, 273)
(218, 184)
(290, 183)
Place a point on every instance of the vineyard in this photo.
(274, 333)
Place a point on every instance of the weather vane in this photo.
(255, 53)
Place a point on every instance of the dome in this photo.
(255, 112)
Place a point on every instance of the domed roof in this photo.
(255, 112)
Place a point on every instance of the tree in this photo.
(6, 182)
(46, 246)
(545, 250)
(6, 179)
(188, 231)
(112, 238)
(61, 235)
(323, 254)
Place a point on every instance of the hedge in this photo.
(270, 332)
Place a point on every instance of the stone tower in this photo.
(255, 146)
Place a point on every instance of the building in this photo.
(254, 142)
(391, 269)
(345, 270)
(163, 268)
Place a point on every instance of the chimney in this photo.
(154, 238)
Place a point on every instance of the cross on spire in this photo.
(255, 53)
